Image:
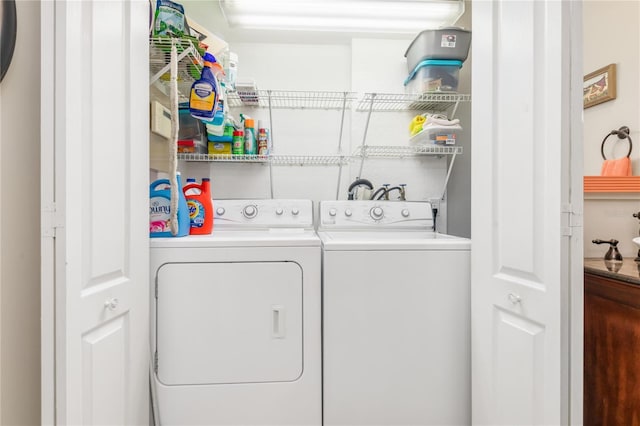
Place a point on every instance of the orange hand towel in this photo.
(619, 167)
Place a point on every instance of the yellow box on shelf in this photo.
(219, 148)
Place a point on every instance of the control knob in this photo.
(295, 211)
(220, 211)
(376, 213)
(250, 211)
(348, 212)
(405, 212)
(279, 211)
(332, 212)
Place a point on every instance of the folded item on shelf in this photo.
(433, 129)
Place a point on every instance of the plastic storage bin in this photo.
(433, 76)
(434, 129)
(451, 43)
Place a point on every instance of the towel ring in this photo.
(623, 133)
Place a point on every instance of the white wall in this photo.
(20, 225)
(459, 187)
(611, 35)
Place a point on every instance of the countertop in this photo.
(629, 272)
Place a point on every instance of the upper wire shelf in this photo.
(224, 158)
(405, 151)
(189, 64)
(313, 160)
(435, 102)
(290, 99)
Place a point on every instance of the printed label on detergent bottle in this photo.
(203, 97)
(159, 214)
(196, 213)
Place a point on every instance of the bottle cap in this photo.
(238, 133)
(249, 122)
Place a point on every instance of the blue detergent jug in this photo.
(160, 210)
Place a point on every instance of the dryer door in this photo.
(236, 322)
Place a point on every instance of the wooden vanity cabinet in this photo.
(611, 351)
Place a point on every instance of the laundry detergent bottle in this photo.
(160, 209)
(200, 207)
(203, 99)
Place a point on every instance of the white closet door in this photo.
(523, 117)
(95, 165)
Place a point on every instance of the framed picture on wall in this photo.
(599, 86)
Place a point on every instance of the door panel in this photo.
(99, 130)
(519, 346)
(519, 278)
(106, 392)
(236, 322)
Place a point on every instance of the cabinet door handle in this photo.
(111, 304)
(514, 298)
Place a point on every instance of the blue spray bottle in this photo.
(203, 99)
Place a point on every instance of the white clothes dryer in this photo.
(236, 319)
(396, 316)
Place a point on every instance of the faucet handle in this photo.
(611, 242)
(636, 215)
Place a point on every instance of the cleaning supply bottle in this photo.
(250, 145)
(160, 210)
(238, 143)
(200, 207)
(203, 100)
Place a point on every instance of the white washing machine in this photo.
(236, 319)
(396, 316)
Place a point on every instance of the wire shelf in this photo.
(311, 160)
(288, 99)
(405, 151)
(224, 158)
(189, 64)
(385, 102)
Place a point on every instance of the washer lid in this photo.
(391, 240)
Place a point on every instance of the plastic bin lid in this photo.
(434, 30)
(431, 62)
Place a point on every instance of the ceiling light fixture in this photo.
(361, 16)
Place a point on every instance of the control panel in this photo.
(263, 213)
(377, 214)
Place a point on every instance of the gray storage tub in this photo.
(443, 43)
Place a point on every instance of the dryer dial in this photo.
(250, 211)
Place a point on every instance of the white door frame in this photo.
(48, 217)
(575, 300)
